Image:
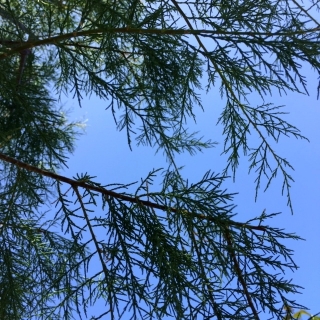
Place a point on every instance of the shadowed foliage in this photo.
(68, 244)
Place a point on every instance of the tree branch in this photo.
(109, 193)
(239, 272)
(23, 59)
(126, 30)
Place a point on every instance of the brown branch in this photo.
(23, 59)
(24, 53)
(126, 30)
(239, 272)
(109, 193)
(207, 280)
(93, 236)
(10, 42)
(96, 243)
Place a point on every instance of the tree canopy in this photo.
(179, 252)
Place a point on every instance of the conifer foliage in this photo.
(180, 252)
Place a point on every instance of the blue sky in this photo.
(103, 152)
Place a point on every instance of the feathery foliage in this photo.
(176, 253)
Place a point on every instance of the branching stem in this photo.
(109, 193)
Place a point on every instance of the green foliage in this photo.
(174, 253)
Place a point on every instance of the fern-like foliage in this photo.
(176, 251)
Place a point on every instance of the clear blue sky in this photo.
(103, 152)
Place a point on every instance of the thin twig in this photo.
(238, 272)
(23, 59)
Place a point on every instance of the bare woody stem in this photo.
(23, 60)
(108, 193)
(126, 30)
(238, 272)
